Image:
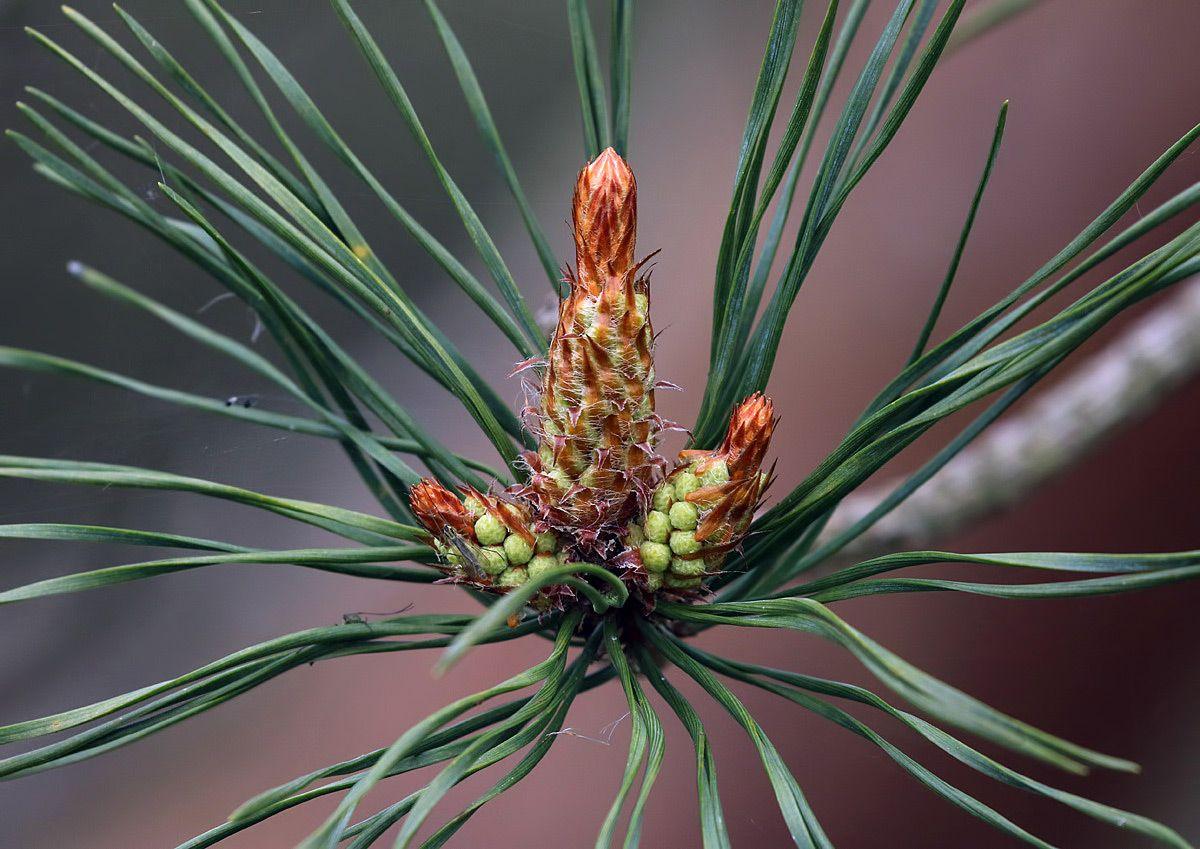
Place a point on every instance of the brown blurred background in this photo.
(1098, 89)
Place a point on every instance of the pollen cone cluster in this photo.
(704, 507)
(483, 540)
(595, 464)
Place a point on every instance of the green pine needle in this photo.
(229, 190)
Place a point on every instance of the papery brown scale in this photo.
(728, 519)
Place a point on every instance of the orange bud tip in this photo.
(439, 509)
(604, 217)
(749, 435)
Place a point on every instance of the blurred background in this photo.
(1097, 90)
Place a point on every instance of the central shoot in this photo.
(597, 490)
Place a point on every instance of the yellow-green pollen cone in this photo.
(704, 507)
(483, 540)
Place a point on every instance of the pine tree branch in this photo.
(1124, 381)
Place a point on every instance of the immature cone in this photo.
(483, 540)
(595, 462)
(704, 507)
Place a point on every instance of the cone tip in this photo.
(609, 166)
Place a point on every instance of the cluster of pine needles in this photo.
(241, 197)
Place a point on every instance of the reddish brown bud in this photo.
(604, 216)
(746, 440)
(440, 510)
